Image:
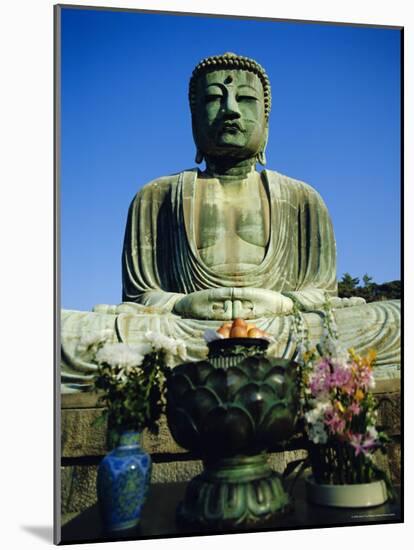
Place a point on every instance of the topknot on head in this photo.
(230, 60)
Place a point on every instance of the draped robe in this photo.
(161, 264)
(160, 253)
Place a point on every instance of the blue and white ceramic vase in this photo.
(123, 481)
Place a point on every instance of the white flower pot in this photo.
(357, 495)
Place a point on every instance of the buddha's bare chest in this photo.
(231, 222)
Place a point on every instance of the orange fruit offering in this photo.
(255, 333)
(240, 329)
(238, 332)
(224, 331)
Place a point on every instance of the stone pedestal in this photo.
(84, 445)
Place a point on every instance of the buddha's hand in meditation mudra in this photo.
(230, 303)
(314, 299)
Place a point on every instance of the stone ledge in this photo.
(79, 400)
(389, 412)
(389, 385)
(87, 400)
(79, 436)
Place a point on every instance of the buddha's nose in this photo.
(231, 107)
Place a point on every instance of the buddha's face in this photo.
(229, 118)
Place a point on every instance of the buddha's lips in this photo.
(231, 126)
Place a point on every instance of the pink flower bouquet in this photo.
(339, 416)
(338, 408)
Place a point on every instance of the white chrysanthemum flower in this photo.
(170, 346)
(143, 348)
(315, 415)
(91, 340)
(160, 342)
(317, 433)
(95, 337)
(153, 337)
(120, 355)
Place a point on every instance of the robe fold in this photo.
(159, 254)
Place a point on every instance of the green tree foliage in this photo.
(367, 280)
(349, 286)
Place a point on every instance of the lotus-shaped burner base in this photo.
(240, 491)
(230, 410)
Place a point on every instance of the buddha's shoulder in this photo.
(277, 178)
(161, 186)
(288, 183)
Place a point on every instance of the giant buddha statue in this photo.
(204, 246)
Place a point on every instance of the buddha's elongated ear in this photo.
(199, 156)
(261, 155)
(261, 158)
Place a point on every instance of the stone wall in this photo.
(83, 445)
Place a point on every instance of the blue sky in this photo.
(125, 120)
